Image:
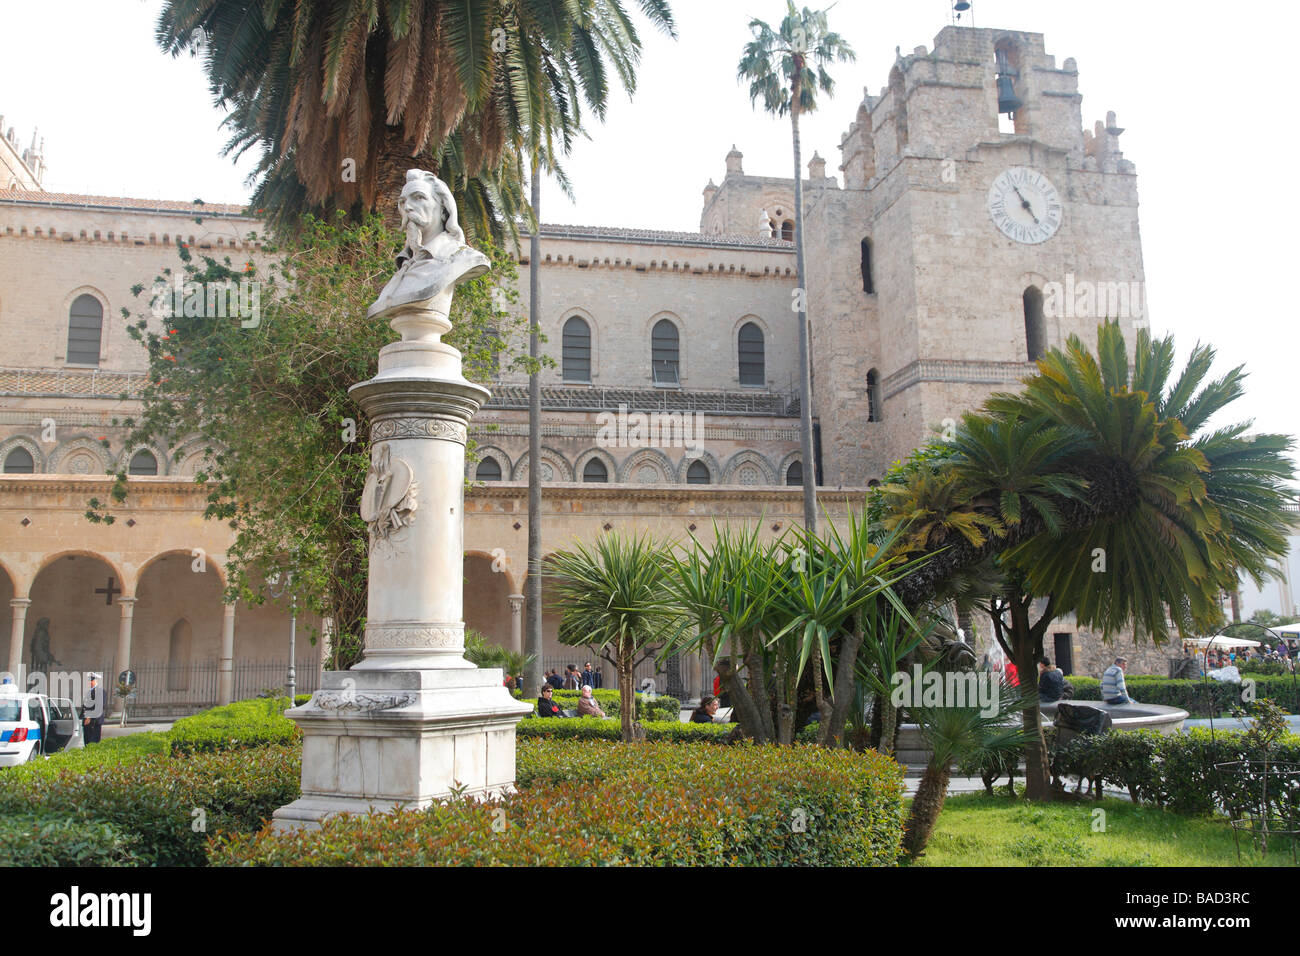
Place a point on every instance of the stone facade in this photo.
(920, 306)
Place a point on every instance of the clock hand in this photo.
(1024, 204)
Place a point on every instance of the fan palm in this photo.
(611, 595)
(329, 87)
(785, 68)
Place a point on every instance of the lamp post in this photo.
(280, 582)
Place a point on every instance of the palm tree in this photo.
(1121, 509)
(785, 68)
(965, 733)
(343, 96)
(611, 596)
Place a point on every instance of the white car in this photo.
(33, 726)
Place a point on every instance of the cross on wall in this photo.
(108, 591)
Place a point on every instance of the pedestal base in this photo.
(388, 740)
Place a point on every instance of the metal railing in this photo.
(602, 399)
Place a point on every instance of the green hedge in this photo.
(1200, 698)
(1176, 771)
(259, 722)
(151, 798)
(660, 707)
(596, 728)
(592, 803)
(42, 840)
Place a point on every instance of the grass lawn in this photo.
(978, 830)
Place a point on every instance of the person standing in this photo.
(92, 713)
(587, 676)
(571, 679)
(1051, 682)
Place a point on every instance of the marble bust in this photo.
(435, 258)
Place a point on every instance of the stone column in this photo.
(412, 720)
(225, 667)
(123, 661)
(17, 636)
(516, 623)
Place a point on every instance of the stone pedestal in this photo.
(413, 721)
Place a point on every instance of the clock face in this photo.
(1025, 205)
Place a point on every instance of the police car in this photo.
(33, 726)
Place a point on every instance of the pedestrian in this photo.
(92, 714)
(1051, 682)
(555, 680)
(571, 679)
(1113, 688)
(1013, 676)
(587, 706)
(546, 705)
(705, 713)
(587, 676)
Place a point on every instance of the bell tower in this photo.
(979, 225)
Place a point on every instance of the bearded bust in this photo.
(435, 258)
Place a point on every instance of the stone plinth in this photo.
(402, 739)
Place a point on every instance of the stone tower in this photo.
(958, 251)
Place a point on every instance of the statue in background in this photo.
(42, 656)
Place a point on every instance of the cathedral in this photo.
(971, 213)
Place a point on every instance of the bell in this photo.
(1008, 102)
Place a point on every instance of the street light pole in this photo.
(293, 636)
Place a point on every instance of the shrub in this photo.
(1200, 698)
(596, 728)
(152, 799)
(659, 707)
(42, 840)
(637, 804)
(246, 723)
(1177, 771)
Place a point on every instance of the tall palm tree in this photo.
(342, 96)
(785, 68)
(611, 595)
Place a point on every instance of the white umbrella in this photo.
(1286, 630)
(1222, 640)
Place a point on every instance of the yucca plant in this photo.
(611, 595)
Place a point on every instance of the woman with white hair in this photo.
(587, 706)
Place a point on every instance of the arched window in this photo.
(867, 285)
(489, 469)
(698, 474)
(664, 353)
(595, 470)
(576, 350)
(85, 329)
(1035, 327)
(787, 231)
(19, 462)
(794, 474)
(875, 408)
(751, 355)
(143, 463)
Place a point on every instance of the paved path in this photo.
(113, 730)
(1233, 723)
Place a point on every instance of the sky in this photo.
(1207, 101)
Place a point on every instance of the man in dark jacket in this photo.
(555, 680)
(92, 714)
(546, 706)
(1051, 682)
(588, 677)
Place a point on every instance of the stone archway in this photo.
(176, 631)
(76, 596)
(486, 597)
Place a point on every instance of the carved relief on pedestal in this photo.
(388, 500)
(415, 635)
(418, 428)
(350, 700)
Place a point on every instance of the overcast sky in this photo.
(1208, 102)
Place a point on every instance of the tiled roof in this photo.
(123, 202)
(664, 237)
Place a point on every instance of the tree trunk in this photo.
(626, 693)
(758, 686)
(805, 372)
(888, 726)
(1025, 655)
(784, 712)
(845, 675)
(926, 806)
(743, 707)
(533, 592)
